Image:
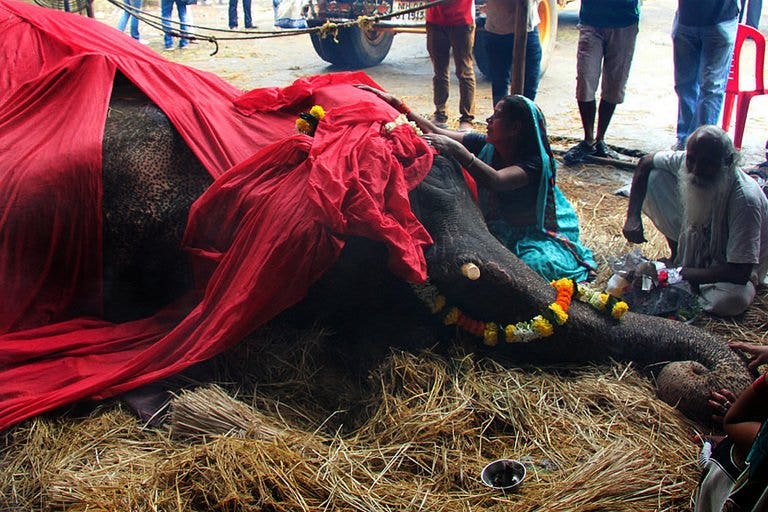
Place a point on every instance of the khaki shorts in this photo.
(608, 51)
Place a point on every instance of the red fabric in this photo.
(452, 14)
(273, 221)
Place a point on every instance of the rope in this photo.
(328, 29)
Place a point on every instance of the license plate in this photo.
(412, 18)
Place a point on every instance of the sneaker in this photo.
(143, 41)
(603, 151)
(251, 26)
(578, 153)
(168, 48)
(466, 126)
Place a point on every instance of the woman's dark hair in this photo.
(516, 108)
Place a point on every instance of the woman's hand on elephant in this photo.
(759, 352)
(720, 401)
(388, 98)
(445, 145)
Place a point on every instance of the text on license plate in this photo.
(414, 17)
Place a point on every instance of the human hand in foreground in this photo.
(720, 401)
(446, 145)
(633, 230)
(759, 352)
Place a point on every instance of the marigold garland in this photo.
(307, 122)
(539, 326)
(400, 120)
(602, 301)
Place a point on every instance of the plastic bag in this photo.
(650, 289)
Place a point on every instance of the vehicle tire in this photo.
(356, 48)
(547, 31)
(547, 35)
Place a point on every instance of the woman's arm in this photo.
(507, 178)
(449, 143)
(424, 124)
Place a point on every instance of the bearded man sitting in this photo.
(714, 216)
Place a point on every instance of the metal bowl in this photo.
(503, 474)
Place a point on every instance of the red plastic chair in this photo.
(732, 91)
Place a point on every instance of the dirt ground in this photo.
(645, 122)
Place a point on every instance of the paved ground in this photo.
(644, 122)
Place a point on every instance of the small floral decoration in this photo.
(540, 326)
(602, 301)
(306, 123)
(400, 120)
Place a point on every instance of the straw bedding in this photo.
(285, 428)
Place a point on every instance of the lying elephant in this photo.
(151, 179)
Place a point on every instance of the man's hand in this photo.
(633, 230)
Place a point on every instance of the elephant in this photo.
(151, 178)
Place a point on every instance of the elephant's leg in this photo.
(150, 179)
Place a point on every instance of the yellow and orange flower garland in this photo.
(602, 301)
(540, 326)
(306, 123)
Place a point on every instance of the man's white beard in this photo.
(702, 199)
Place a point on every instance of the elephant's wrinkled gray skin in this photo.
(371, 309)
(150, 180)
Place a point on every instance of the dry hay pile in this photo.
(285, 431)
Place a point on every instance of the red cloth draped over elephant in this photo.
(273, 221)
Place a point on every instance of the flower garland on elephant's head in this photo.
(540, 326)
(307, 122)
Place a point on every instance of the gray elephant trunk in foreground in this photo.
(151, 178)
(687, 361)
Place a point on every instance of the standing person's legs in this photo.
(754, 9)
(499, 48)
(134, 20)
(462, 40)
(182, 8)
(166, 8)
(589, 59)
(123, 21)
(439, 49)
(247, 14)
(232, 13)
(717, 51)
(532, 64)
(686, 51)
(619, 50)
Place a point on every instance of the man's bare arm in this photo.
(633, 226)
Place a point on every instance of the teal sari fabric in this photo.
(551, 244)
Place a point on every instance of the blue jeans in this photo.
(754, 9)
(166, 8)
(246, 13)
(499, 48)
(123, 21)
(702, 57)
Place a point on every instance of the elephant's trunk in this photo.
(508, 291)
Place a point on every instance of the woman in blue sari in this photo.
(514, 168)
